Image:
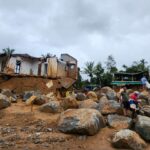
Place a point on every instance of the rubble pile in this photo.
(78, 114)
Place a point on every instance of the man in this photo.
(144, 81)
(124, 100)
(134, 103)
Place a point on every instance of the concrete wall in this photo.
(61, 70)
(26, 65)
(65, 57)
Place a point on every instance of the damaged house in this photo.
(64, 69)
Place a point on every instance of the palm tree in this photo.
(8, 53)
(89, 70)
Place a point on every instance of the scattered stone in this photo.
(127, 139)
(51, 107)
(110, 107)
(81, 121)
(7, 93)
(89, 104)
(92, 95)
(110, 93)
(81, 96)
(13, 99)
(142, 127)
(40, 100)
(69, 102)
(119, 122)
(4, 101)
(146, 110)
(27, 95)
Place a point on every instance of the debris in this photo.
(49, 84)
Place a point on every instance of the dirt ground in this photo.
(19, 85)
(22, 129)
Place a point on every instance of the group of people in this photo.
(130, 102)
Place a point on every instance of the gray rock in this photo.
(4, 101)
(51, 107)
(127, 139)
(146, 110)
(7, 92)
(81, 121)
(69, 102)
(80, 96)
(27, 95)
(109, 107)
(119, 122)
(142, 127)
(89, 104)
(111, 96)
(110, 93)
(40, 100)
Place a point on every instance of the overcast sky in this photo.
(89, 30)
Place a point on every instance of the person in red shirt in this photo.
(134, 104)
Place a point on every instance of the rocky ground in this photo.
(91, 123)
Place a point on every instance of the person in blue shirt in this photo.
(144, 81)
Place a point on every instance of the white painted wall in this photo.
(26, 65)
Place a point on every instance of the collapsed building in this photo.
(64, 70)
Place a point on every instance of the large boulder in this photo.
(146, 110)
(51, 107)
(109, 106)
(119, 122)
(110, 93)
(4, 101)
(89, 104)
(142, 126)
(69, 102)
(127, 139)
(81, 121)
(92, 95)
(81, 96)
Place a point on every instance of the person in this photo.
(124, 100)
(144, 81)
(134, 104)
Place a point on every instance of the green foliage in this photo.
(137, 66)
(89, 70)
(8, 53)
(111, 64)
(98, 72)
(79, 82)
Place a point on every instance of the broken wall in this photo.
(26, 65)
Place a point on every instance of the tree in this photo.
(98, 72)
(137, 66)
(48, 55)
(89, 70)
(111, 64)
(8, 53)
(78, 83)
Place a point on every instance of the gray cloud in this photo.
(89, 30)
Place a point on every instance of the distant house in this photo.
(24, 64)
(130, 80)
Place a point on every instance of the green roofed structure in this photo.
(128, 79)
